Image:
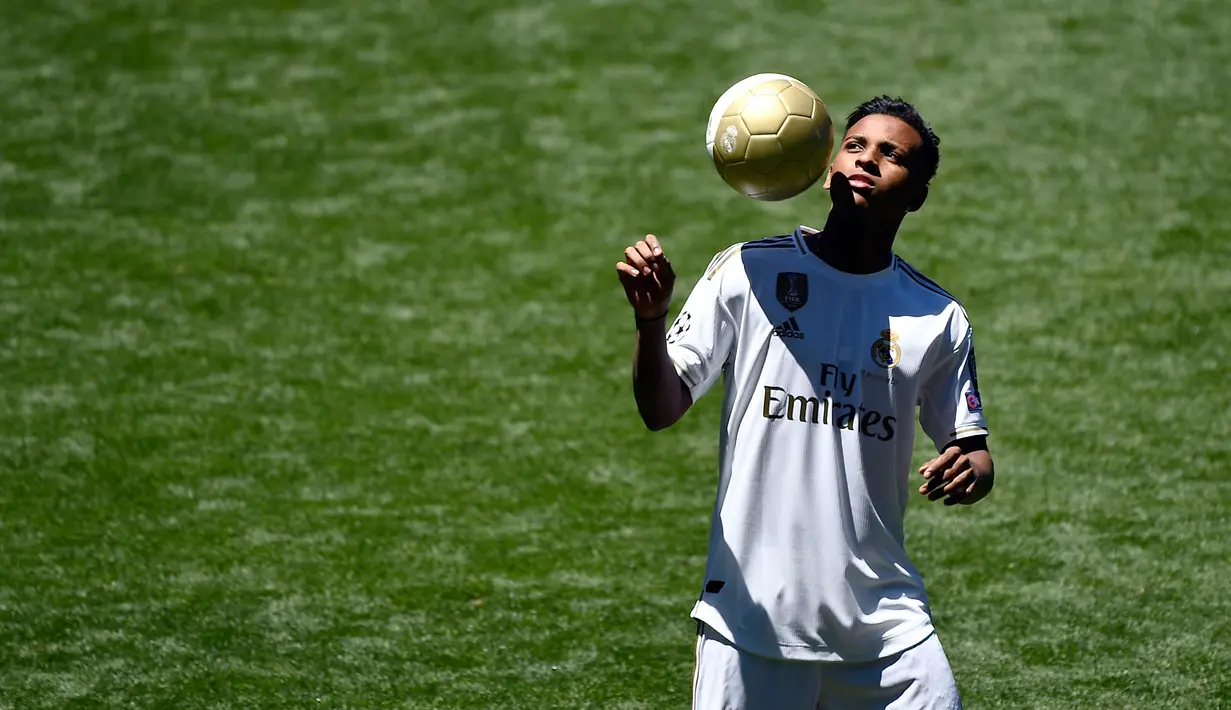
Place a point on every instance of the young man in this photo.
(830, 345)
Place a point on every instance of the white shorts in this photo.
(727, 678)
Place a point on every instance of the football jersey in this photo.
(824, 372)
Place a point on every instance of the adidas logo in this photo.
(789, 329)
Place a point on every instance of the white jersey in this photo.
(824, 371)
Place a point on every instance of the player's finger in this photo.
(651, 258)
(633, 257)
(655, 247)
(938, 484)
(959, 483)
(941, 462)
(647, 255)
(939, 492)
(941, 484)
(934, 488)
(934, 482)
(971, 490)
(937, 464)
(840, 192)
(626, 270)
(665, 268)
(962, 494)
(958, 467)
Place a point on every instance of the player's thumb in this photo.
(628, 281)
(667, 273)
(840, 192)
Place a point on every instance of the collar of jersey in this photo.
(830, 272)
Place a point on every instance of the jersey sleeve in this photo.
(702, 338)
(950, 407)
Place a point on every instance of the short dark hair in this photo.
(928, 157)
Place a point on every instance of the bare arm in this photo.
(662, 396)
(648, 280)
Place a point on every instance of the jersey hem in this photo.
(891, 645)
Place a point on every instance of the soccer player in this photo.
(830, 346)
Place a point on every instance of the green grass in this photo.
(314, 367)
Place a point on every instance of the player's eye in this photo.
(853, 145)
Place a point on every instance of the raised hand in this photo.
(845, 210)
(647, 277)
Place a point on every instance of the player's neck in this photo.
(862, 248)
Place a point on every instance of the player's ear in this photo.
(921, 196)
(828, 175)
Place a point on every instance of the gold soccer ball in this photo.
(770, 137)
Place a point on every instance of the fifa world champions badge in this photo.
(792, 290)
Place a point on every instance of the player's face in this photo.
(876, 156)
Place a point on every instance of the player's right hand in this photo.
(845, 209)
(647, 277)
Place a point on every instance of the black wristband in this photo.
(641, 320)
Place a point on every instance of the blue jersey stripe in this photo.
(924, 281)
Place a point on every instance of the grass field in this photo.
(314, 369)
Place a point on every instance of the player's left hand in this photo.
(957, 476)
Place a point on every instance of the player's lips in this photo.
(860, 180)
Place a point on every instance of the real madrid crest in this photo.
(792, 290)
(885, 351)
(729, 138)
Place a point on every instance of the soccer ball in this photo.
(770, 137)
